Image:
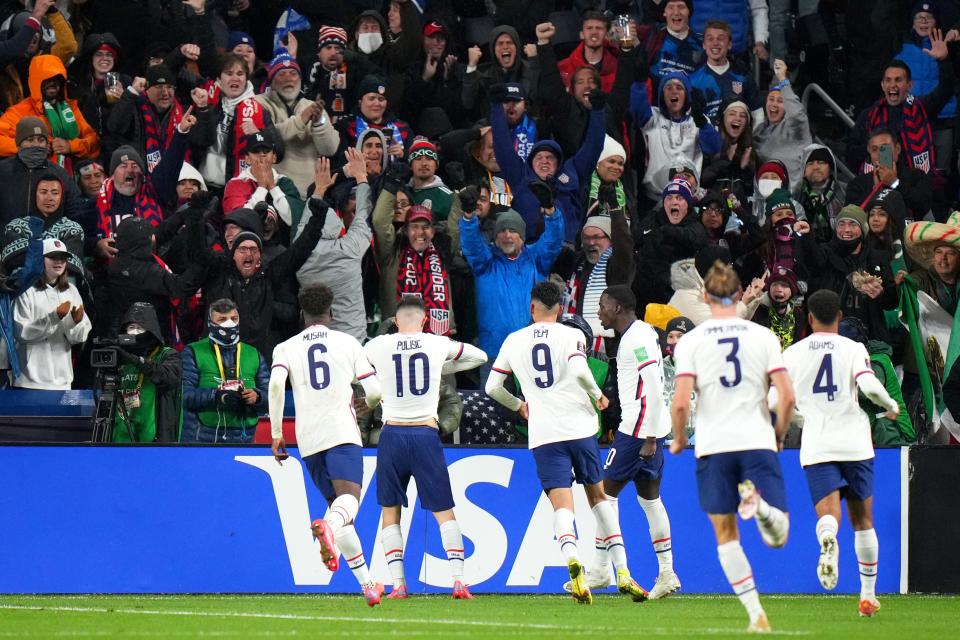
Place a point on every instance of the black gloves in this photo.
(542, 192)
(126, 357)
(230, 398)
(7, 284)
(455, 175)
(697, 105)
(203, 204)
(598, 99)
(398, 174)
(497, 93)
(469, 197)
(607, 194)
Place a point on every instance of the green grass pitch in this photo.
(489, 616)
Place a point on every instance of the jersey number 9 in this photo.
(543, 364)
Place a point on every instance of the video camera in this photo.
(104, 352)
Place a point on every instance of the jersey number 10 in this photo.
(415, 388)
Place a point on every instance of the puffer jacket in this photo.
(477, 82)
(688, 294)
(42, 68)
(661, 244)
(925, 72)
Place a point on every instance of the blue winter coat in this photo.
(565, 182)
(735, 13)
(21, 280)
(925, 72)
(503, 285)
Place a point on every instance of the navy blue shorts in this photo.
(342, 462)
(719, 474)
(624, 462)
(854, 480)
(405, 452)
(556, 460)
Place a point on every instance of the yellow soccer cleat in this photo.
(578, 583)
(629, 587)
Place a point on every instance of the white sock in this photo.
(827, 526)
(740, 576)
(774, 525)
(563, 530)
(349, 544)
(659, 524)
(602, 564)
(453, 544)
(342, 510)
(868, 557)
(392, 540)
(609, 528)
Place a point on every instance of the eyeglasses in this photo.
(712, 208)
(248, 250)
(920, 17)
(398, 205)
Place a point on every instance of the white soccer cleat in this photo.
(759, 625)
(828, 568)
(667, 583)
(749, 499)
(595, 580)
(868, 607)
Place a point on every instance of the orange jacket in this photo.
(42, 68)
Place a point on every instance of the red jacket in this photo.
(608, 66)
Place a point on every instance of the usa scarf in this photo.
(146, 207)
(156, 143)
(234, 112)
(426, 276)
(916, 137)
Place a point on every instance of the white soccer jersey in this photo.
(643, 410)
(731, 360)
(549, 362)
(825, 369)
(322, 364)
(409, 367)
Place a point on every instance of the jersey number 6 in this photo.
(323, 380)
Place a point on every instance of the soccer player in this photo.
(732, 362)
(409, 364)
(549, 362)
(321, 365)
(637, 452)
(836, 450)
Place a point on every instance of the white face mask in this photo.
(369, 42)
(134, 331)
(228, 324)
(767, 186)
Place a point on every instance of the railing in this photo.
(837, 109)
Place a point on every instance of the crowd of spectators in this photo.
(174, 171)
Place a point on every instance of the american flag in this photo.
(485, 422)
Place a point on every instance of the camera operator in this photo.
(224, 382)
(149, 386)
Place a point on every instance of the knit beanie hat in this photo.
(512, 221)
(855, 213)
(892, 202)
(29, 127)
(422, 147)
(679, 188)
(239, 37)
(786, 276)
(331, 35)
(126, 153)
(611, 148)
(708, 255)
(779, 199)
(598, 222)
(821, 154)
(371, 84)
(279, 63)
(927, 7)
(247, 235)
(680, 323)
(773, 166)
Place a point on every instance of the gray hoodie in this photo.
(785, 140)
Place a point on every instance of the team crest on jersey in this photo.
(736, 86)
(439, 322)
(563, 178)
(921, 161)
(428, 203)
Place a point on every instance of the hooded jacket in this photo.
(670, 141)
(161, 368)
(786, 140)
(90, 94)
(391, 58)
(823, 204)
(64, 47)
(607, 70)
(19, 184)
(688, 294)
(566, 181)
(42, 68)
(477, 82)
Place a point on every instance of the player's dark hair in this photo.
(546, 293)
(316, 299)
(623, 295)
(722, 283)
(223, 305)
(412, 302)
(824, 305)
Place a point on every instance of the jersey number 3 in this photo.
(734, 360)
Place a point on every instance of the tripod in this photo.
(106, 410)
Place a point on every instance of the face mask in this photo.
(226, 334)
(132, 331)
(767, 186)
(369, 42)
(784, 229)
(33, 157)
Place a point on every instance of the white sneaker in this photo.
(596, 579)
(828, 569)
(667, 583)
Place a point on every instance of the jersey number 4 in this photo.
(417, 389)
(734, 360)
(824, 383)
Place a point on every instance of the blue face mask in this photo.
(226, 334)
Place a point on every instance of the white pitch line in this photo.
(471, 623)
